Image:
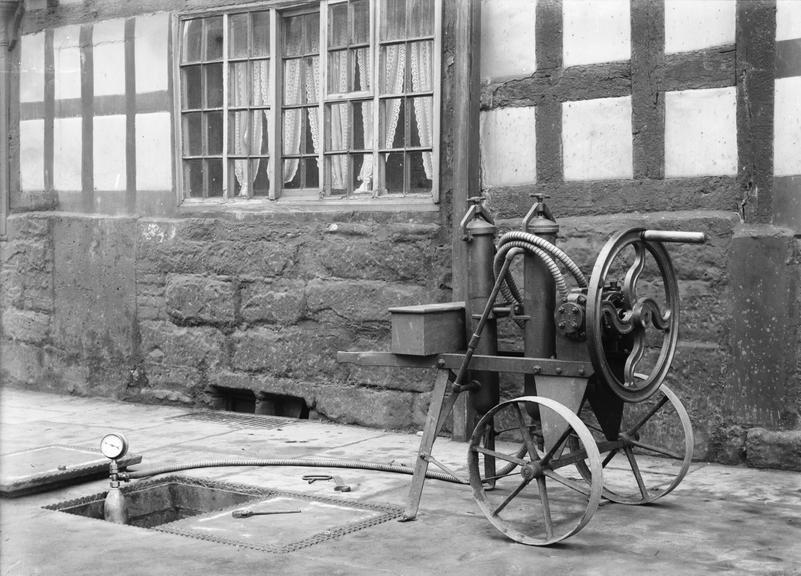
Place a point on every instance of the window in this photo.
(340, 99)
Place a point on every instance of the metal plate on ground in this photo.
(237, 419)
(47, 467)
(320, 518)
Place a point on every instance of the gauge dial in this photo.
(113, 446)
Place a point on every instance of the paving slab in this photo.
(720, 520)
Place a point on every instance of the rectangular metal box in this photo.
(428, 329)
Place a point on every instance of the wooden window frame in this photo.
(277, 11)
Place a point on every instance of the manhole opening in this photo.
(203, 509)
(154, 505)
(264, 403)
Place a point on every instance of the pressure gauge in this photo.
(114, 446)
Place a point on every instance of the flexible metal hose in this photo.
(561, 285)
(548, 247)
(312, 463)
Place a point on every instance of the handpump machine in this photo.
(593, 360)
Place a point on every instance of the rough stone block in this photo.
(200, 300)
(368, 407)
(28, 226)
(272, 302)
(21, 363)
(26, 325)
(361, 301)
(374, 260)
(773, 449)
(257, 258)
(165, 343)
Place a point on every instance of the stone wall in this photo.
(175, 310)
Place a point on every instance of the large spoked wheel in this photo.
(534, 496)
(636, 332)
(651, 454)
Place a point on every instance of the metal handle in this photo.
(674, 236)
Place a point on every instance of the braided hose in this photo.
(548, 247)
(312, 463)
(561, 285)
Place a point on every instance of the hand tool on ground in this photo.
(249, 513)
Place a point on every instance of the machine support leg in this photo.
(438, 411)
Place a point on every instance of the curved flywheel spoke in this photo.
(633, 274)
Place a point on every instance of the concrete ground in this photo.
(727, 520)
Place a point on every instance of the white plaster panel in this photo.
(507, 38)
(31, 154)
(154, 151)
(596, 31)
(151, 52)
(787, 127)
(508, 146)
(698, 24)
(31, 68)
(109, 152)
(701, 132)
(108, 57)
(788, 19)
(67, 62)
(596, 139)
(67, 153)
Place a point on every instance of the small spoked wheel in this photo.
(534, 495)
(632, 314)
(651, 453)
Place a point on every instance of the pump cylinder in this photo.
(480, 281)
(539, 299)
(115, 508)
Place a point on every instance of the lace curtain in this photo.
(248, 133)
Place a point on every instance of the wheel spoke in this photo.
(650, 414)
(511, 496)
(567, 482)
(532, 449)
(657, 450)
(500, 455)
(549, 454)
(546, 507)
(636, 470)
(608, 459)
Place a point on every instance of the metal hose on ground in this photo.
(548, 247)
(561, 285)
(312, 463)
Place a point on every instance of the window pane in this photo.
(239, 133)
(191, 88)
(392, 123)
(238, 178)
(312, 33)
(261, 33)
(238, 85)
(362, 125)
(293, 82)
(261, 180)
(421, 18)
(214, 86)
(311, 78)
(393, 171)
(292, 173)
(214, 132)
(361, 69)
(338, 72)
(192, 40)
(311, 130)
(337, 127)
(311, 173)
(293, 36)
(420, 171)
(238, 36)
(421, 65)
(259, 132)
(337, 167)
(193, 134)
(215, 176)
(338, 25)
(193, 177)
(293, 124)
(421, 115)
(362, 173)
(393, 68)
(214, 38)
(262, 82)
(393, 19)
(360, 18)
